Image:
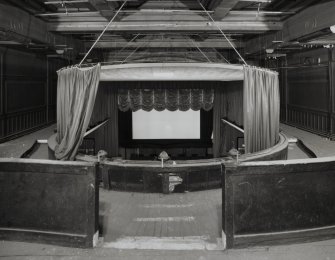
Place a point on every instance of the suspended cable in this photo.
(200, 50)
(217, 26)
(97, 40)
(221, 55)
(131, 54)
(128, 43)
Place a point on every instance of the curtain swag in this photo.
(261, 107)
(76, 92)
(170, 99)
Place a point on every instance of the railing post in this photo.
(227, 205)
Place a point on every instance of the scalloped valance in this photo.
(170, 99)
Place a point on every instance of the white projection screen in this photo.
(166, 124)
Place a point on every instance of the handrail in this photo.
(96, 127)
(232, 125)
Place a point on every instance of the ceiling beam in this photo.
(308, 21)
(31, 6)
(238, 26)
(166, 43)
(26, 27)
(100, 5)
(222, 8)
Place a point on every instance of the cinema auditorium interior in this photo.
(167, 129)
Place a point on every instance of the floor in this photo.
(15, 148)
(321, 146)
(156, 221)
(323, 250)
(157, 226)
(294, 152)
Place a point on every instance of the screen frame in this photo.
(182, 125)
(126, 132)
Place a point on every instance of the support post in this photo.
(165, 183)
(227, 206)
(331, 93)
(105, 177)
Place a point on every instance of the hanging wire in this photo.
(217, 26)
(64, 6)
(221, 55)
(127, 44)
(131, 54)
(258, 10)
(97, 40)
(200, 50)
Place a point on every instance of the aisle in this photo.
(321, 146)
(156, 221)
(15, 148)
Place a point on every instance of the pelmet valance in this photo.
(170, 99)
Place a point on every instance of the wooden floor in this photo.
(15, 148)
(144, 220)
(321, 146)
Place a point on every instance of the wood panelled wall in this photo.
(307, 91)
(28, 91)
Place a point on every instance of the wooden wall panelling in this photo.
(283, 90)
(308, 119)
(227, 207)
(48, 201)
(47, 91)
(2, 120)
(146, 176)
(332, 91)
(29, 87)
(308, 92)
(24, 92)
(26, 106)
(276, 202)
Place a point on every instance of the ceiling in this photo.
(166, 30)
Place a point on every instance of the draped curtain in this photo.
(76, 92)
(219, 112)
(261, 109)
(228, 104)
(106, 107)
(165, 98)
(234, 99)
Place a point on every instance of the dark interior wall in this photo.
(106, 107)
(28, 91)
(306, 90)
(108, 136)
(115, 137)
